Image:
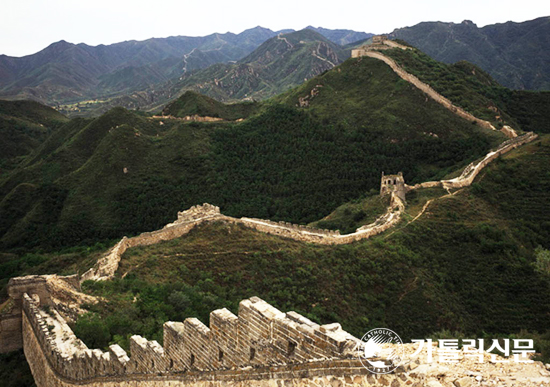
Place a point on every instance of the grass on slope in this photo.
(471, 88)
(352, 215)
(465, 265)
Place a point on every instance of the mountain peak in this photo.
(58, 47)
(469, 23)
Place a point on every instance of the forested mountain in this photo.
(465, 264)
(279, 64)
(341, 37)
(517, 55)
(24, 126)
(124, 172)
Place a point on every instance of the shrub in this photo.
(542, 262)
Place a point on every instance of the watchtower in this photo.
(379, 39)
(393, 183)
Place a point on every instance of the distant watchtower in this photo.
(393, 183)
(379, 39)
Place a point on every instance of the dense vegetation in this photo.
(474, 90)
(471, 264)
(279, 64)
(15, 371)
(82, 80)
(24, 125)
(467, 266)
(124, 173)
(192, 103)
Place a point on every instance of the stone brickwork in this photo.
(194, 117)
(379, 42)
(10, 317)
(289, 350)
(54, 291)
(106, 267)
(393, 183)
(260, 336)
(429, 91)
(108, 264)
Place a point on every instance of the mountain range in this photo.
(278, 64)
(85, 80)
(517, 55)
(461, 263)
(65, 72)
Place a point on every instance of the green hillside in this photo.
(277, 65)
(24, 125)
(284, 163)
(281, 63)
(471, 88)
(467, 267)
(464, 266)
(191, 103)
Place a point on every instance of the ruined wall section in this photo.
(106, 267)
(10, 316)
(260, 335)
(472, 170)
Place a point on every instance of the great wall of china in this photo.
(187, 220)
(261, 346)
(374, 51)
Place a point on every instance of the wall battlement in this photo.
(260, 335)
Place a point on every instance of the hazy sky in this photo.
(27, 26)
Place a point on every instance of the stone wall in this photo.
(393, 183)
(429, 90)
(61, 292)
(378, 43)
(373, 51)
(471, 171)
(106, 266)
(10, 317)
(261, 343)
(194, 117)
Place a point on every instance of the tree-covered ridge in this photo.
(24, 125)
(192, 103)
(124, 173)
(474, 90)
(279, 64)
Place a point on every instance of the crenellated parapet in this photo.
(260, 335)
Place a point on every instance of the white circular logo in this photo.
(381, 350)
